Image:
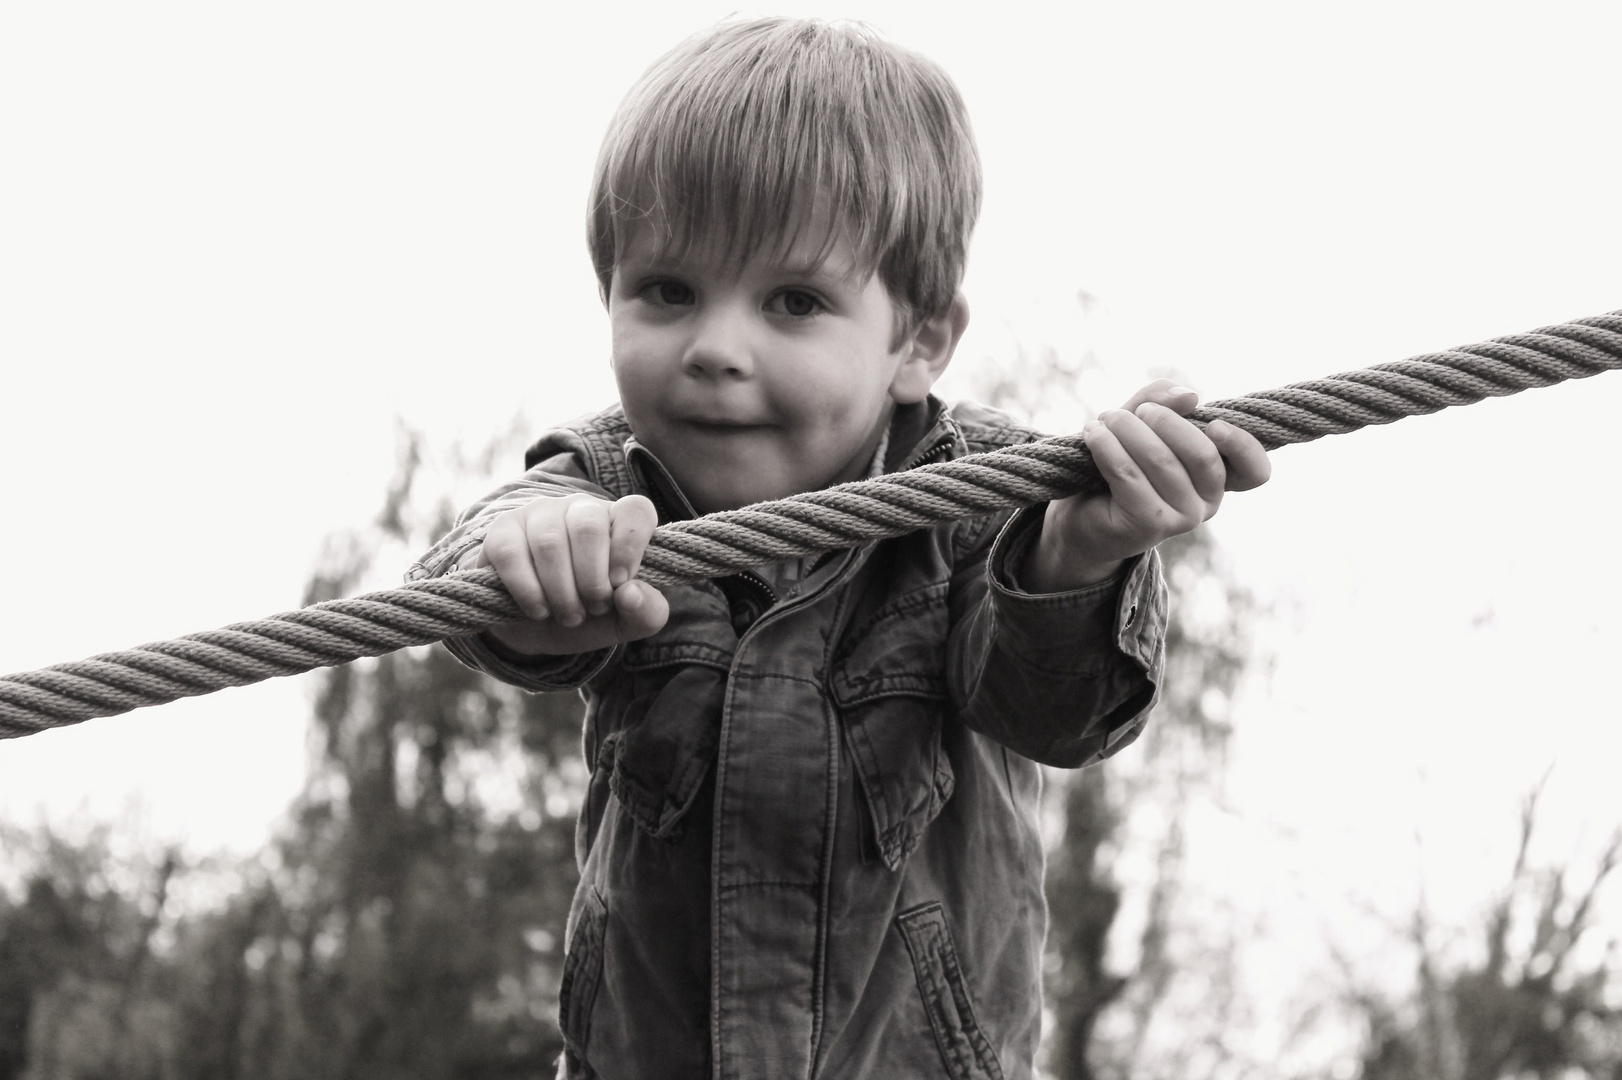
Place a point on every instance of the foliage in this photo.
(1538, 998)
(1103, 1014)
(408, 922)
(1121, 961)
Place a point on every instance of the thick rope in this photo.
(846, 516)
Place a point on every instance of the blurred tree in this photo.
(1136, 806)
(1114, 960)
(1540, 997)
(408, 923)
(75, 977)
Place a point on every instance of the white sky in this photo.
(237, 242)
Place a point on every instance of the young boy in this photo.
(810, 844)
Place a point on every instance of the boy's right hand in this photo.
(570, 562)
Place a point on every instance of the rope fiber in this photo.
(338, 631)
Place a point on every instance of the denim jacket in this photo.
(810, 844)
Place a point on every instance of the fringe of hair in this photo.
(752, 134)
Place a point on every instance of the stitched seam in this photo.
(578, 990)
(735, 886)
(970, 1027)
(914, 927)
(870, 765)
(679, 652)
(922, 597)
(901, 684)
(927, 926)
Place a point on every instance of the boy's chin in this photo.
(707, 500)
(739, 491)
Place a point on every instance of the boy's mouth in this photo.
(723, 425)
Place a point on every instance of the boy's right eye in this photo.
(669, 292)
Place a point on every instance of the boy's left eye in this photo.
(797, 303)
(673, 292)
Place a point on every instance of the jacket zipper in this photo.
(760, 584)
(930, 456)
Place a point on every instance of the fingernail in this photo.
(1216, 429)
(630, 599)
(618, 576)
(600, 608)
(1091, 426)
(1180, 390)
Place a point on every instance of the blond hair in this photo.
(750, 133)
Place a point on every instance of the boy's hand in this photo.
(569, 562)
(1165, 477)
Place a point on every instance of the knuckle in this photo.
(591, 584)
(636, 505)
(587, 517)
(1160, 457)
(502, 545)
(537, 511)
(1207, 458)
(549, 542)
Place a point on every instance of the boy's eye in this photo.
(797, 303)
(673, 292)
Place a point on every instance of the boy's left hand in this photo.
(1165, 476)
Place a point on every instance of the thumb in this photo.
(1179, 399)
(640, 610)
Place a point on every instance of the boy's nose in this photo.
(720, 347)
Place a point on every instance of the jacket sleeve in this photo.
(1064, 678)
(557, 474)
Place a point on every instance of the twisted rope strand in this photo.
(337, 631)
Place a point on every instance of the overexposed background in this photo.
(239, 245)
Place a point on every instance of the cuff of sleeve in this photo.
(541, 674)
(449, 554)
(1072, 632)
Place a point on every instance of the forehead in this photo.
(815, 246)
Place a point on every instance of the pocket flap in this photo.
(699, 631)
(900, 650)
(665, 744)
(895, 745)
(890, 687)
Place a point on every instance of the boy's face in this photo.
(761, 381)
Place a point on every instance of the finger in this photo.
(1248, 465)
(1168, 498)
(586, 521)
(631, 525)
(549, 554)
(1179, 399)
(640, 610)
(1195, 450)
(506, 548)
(1130, 493)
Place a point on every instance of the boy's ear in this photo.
(927, 351)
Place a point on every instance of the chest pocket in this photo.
(660, 718)
(890, 687)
